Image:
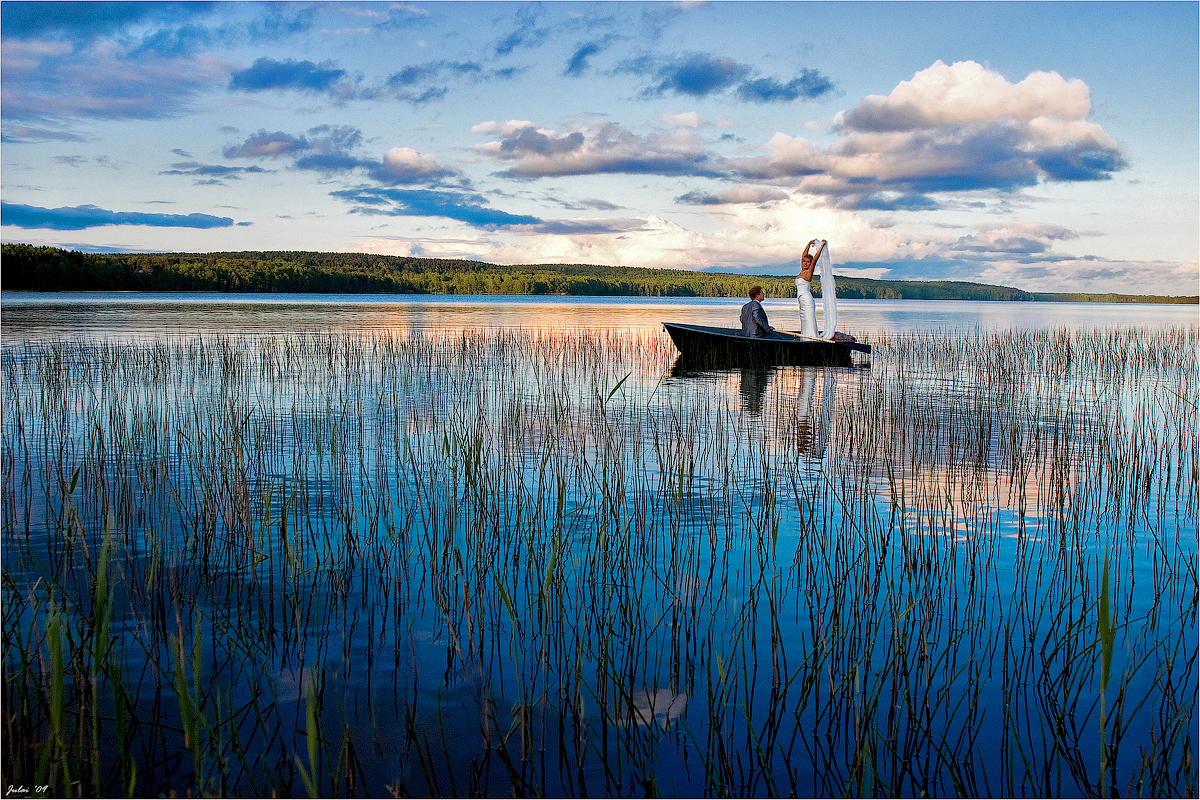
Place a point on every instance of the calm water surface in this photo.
(509, 545)
(39, 315)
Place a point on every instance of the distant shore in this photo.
(50, 269)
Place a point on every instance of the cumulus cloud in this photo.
(88, 216)
(267, 145)
(334, 149)
(405, 165)
(966, 92)
(330, 148)
(951, 128)
(597, 149)
(325, 148)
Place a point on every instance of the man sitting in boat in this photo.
(754, 319)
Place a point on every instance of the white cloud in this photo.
(751, 237)
(957, 128)
(405, 165)
(1011, 238)
(1094, 275)
(593, 148)
(777, 233)
(736, 194)
(968, 92)
(951, 128)
(502, 128)
(688, 119)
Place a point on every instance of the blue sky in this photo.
(1045, 146)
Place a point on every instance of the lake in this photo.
(380, 546)
(33, 315)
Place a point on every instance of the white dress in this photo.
(808, 307)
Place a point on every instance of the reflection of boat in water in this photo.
(809, 395)
(700, 344)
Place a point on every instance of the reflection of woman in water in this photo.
(813, 430)
(808, 306)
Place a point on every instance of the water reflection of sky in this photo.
(54, 315)
(695, 471)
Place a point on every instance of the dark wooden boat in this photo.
(717, 347)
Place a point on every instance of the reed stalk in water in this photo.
(495, 561)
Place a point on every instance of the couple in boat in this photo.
(754, 318)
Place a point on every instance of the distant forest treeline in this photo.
(27, 268)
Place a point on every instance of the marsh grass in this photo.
(533, 562)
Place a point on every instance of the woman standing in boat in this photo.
(808, 306)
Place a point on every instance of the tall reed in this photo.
(526, 561)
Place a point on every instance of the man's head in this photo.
(756, 293)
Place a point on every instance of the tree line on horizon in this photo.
(46, 269)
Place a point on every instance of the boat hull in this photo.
(703, 345)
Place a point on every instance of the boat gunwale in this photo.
(792, 338)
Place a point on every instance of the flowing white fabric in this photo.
(808, 307)
(828, 294)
